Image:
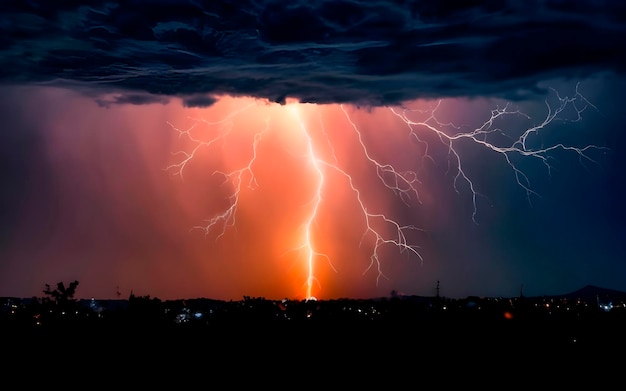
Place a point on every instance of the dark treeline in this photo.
(536, 321)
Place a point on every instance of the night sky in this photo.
(335, 149)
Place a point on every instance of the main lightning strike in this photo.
(307, 244)
(404, 184)
(401, 183)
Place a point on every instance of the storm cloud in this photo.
(358, 51)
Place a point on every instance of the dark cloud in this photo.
(199, 101)
(361, 51)
(131, 98)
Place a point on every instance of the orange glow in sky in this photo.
(287, 181)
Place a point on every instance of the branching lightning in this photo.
(518, 146)
(228, 216)
(380, 228)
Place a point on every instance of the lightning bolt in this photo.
(381, 228)
(236, 178)
(308, 245)
(517, 146)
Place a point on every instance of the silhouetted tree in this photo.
(62, 295)
(59, 304)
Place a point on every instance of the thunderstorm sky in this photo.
(101, 105)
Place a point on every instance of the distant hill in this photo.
(592, 292)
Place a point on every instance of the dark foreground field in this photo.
(258, 343)
(446, 340)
